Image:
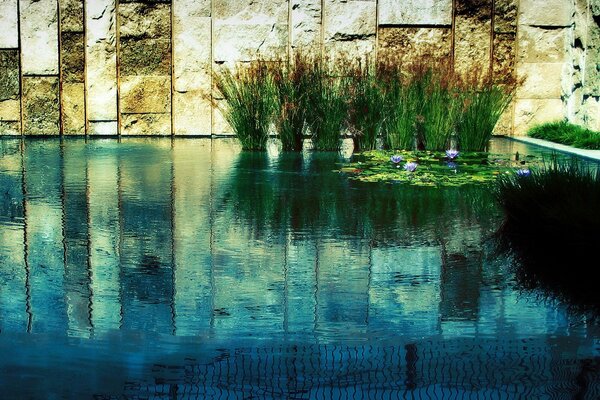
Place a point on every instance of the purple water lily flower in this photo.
(452, 154)
(410, 166)
(523, 172)
(396, 159)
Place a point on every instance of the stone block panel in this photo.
(9, 34)
(9, 74)
(305, 19)
(592, 60)
(10, 110)
(102, 128)
(73, 108)
(145, 57)
(545, 12)
(40, 105)
(415, 12)
(472, 35)
(505, 123)
(349, 27)
(10, 128)
(71, 15)
(541, 80)
(251, 11)
(146, 124)
(145, 94)
(504, 56)
(530, 112)
(543, 45)
(505, 16)
(191, 52)
(192, 113)
(410, 44)
(72, 52)
(39, 37)
(220, 126)
(145, 20)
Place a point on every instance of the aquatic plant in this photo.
(452, 154)
(249, 102)
(411, 166)
(396, 159)
(567, 133)
(523, 172)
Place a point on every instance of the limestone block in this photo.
(503, 61)
(145, 94)
(102, 128)
(143, 20)
(529, 112)
(10, 110)
(71, 15)
(9, 74)
(146, 124)
(101, 68)
(9, 34)
(505, 123)
(409, 44)
(192, 113)
(72, 52)
(145, 57)
(415, 12)
(220, 126)
(592, 61)
(349, 27)
(542, 45)
(245, 30)
(192, 52)
(39, 37)
(588, 113)
(305, 18)
(546, 12)
(505, 16)
(541, 80)
(10, 128)
(472, 34)
(73, 108)
(40, 105)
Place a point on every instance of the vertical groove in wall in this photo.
(172, 71)
(492, 38)
(289, 30)
(85, 118)
(453, 34)
(322, 44)
(118, 66)
(20, 68)
(211, 63)
(376, 51)
(515, 74)
(60, 72)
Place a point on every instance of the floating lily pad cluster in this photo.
(425, 168)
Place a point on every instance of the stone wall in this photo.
(144, 67)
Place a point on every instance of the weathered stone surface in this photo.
(545, 12)
(305, 29)
(505, 16)
(472, 34)
(9, 74)
(101, 79)
(410, 44)
(145, 57)
(542, 80)
(246, 30)
(10, 110)
(39, 37)
(102, 128)
(147, 1)
(9, 34)
(10, 128)
(73, 108)
(192, 53)
(146, 124)
(145, 94)
(71, 15)
(505, 123)
(588, 113)
(349, 27)
(542, 45)
(40, 105)
(220, 126)
(529, 112)
(143, 20)
(72, 52)
(415, 12)
(503, 61)
(592, 59)
(192, 113)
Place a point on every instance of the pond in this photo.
(186, 269)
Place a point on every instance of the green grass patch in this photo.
(566, 133)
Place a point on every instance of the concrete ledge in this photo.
(589, 154)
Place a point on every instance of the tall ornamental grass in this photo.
(249, 102)
(566, 133)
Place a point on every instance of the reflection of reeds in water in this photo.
(306, 197)
(552, 226)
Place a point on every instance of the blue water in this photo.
(187, 269)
